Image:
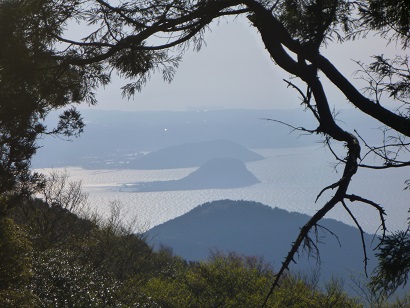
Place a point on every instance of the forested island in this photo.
(218, 173)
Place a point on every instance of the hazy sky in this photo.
(234, 71)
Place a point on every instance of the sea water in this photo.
(290, 178)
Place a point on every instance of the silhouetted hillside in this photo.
(251, 228)
(219, 173)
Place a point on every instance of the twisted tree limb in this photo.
(327, 126)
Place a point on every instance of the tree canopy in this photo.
(43, 67)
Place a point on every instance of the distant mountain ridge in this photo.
(217, 173)
(113, 138)
(251, 228)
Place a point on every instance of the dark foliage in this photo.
(388, 15)
(394, 262)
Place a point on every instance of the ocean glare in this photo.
(291, 179)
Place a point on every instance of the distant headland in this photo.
(193, 154)
(217, 173)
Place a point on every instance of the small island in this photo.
(193, 154)
(218, 173)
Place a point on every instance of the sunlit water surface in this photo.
(290, 179)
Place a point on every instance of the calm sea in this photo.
(290, 179)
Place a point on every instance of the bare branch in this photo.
(306, 98)
(310, 131)
(332, 186)
(361, 235)
(384, 153)
(382, 213)
(331, 233)
(303, 234)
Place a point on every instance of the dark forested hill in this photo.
(252, 228)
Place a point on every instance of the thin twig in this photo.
(361, 235)
(294, 128)
(332, 186)
(305, 98)
(382, 213)
(331, 233)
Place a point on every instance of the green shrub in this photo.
(15, 265)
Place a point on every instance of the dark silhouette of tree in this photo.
(394, 263)
(32, 84)
(43, 68)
